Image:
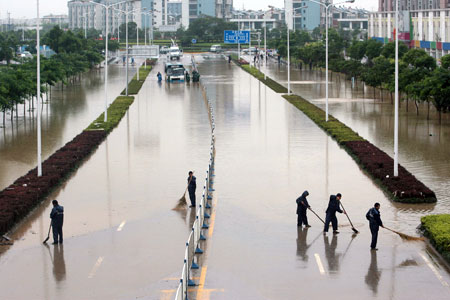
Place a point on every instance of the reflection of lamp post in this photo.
(38, 94)
(327, 5)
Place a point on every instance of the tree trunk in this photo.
(428, 110)
(417, 107)
(17, 110)
(407, 102)
(381, 93)
(440, 116)
(373, 93)
(4, 117)
(392, 99)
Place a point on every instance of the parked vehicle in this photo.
(169, 65)
(251, 50)
(174, 53)
(164, 50)
(215, 48)
(175, 74)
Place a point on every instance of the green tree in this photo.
(437, 88)
(388, 50)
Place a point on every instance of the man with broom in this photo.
(333, 206)
(373, 215)
(192, 186)
(302, 206)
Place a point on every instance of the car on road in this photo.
(174, 53)
(215, 48)
(251, 50)
(175, 74)
(164, 50)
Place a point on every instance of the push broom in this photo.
(405, 236)
(353, 227)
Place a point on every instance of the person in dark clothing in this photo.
(373, 215)
(302, 206)
(279, 58)
(229, 58)
(333, 207)
(57, 216)
(192, 185)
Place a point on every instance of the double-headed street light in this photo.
(106, 7)
(38, 93)
(327, 6)
(127, 12)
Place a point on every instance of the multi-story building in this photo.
(255, 20)
(91, 15)
(351, 19)
(304, 14)
(389, 5)
(428, 29)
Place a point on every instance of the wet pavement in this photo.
(122, 238)
(124, 241)
(423, 144)
(268, 153)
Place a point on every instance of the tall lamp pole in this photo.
(327, 5)
(396, 94)
(38, 94)
(106, 7)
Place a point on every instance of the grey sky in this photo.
(27, 8)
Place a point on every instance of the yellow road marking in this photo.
(178, 278)
(121, 226)
(201, 284)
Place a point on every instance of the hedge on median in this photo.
(437, 229)
(134, 86)
(379, 165)
(278, 88)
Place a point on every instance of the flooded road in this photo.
(70, 110)
(122, 238)
(423, 144)
(268, 153)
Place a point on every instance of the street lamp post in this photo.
(327, 5)
(396, 94)
(106, 7)
(38, 94)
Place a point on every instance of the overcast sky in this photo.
(27, 8)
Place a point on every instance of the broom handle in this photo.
(316, 215)
(347, 215)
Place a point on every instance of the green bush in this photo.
(135, 85)
(268, 81)
(333, 127)
(115, 113)
(437, 229)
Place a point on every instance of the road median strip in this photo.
(18, 199)
(437, 229)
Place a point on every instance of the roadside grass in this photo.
(437, 229)
(135, 85)
(115, 113)
(278, 88)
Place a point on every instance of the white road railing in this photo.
(193, 248)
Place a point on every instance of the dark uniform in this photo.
(192, 185)
(373, 215)
(333, 207)
(57, 216)
(302, 206)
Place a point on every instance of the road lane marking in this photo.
(178, 278)
(121, 226)
(435, 271)
(95, 267)
(319, 264)
(201, 283)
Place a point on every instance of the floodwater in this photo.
(70, 110)
(122, 238)
(268, 153)
(423, 144)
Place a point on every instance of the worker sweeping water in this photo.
(373, 216)
(192, 186)
(333, 207)
(57, 216)
(159, 76)
(302, 206)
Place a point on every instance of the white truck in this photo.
(174, 53)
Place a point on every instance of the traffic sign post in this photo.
(232, 36)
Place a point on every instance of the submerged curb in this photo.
(18, 199)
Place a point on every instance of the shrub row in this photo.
(404, 188)
(18, 199)
(437, 229)
(135, 85)
(278, 88)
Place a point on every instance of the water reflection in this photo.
(58, 262)
(302, 246)
(330, 253)
(373, 276)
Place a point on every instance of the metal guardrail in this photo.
(200, 224)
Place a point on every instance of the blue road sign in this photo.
(232, 36)
(194, 41)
